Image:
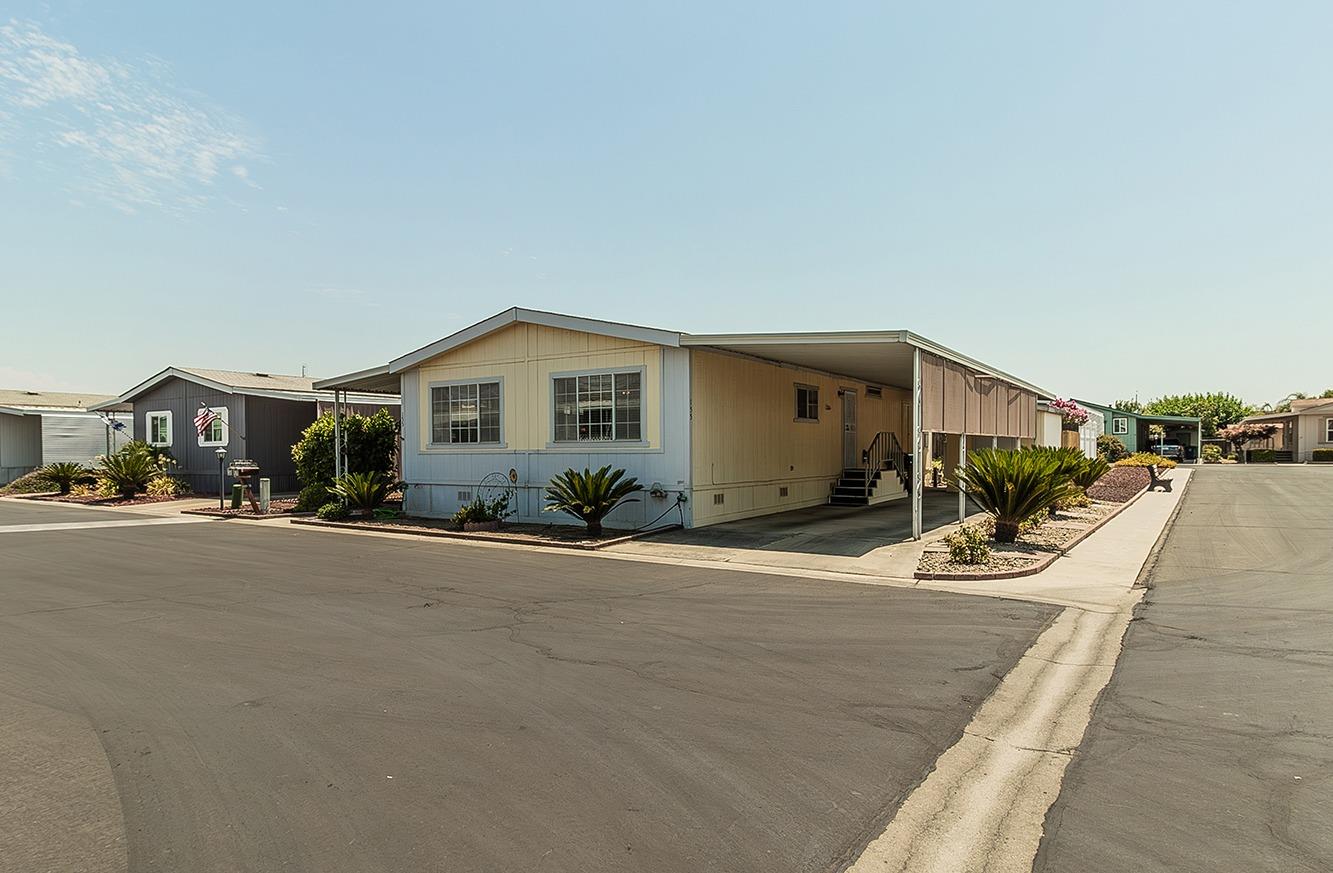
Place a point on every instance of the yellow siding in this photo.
(525, 356)
(746, 443)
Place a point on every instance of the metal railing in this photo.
(884, 447)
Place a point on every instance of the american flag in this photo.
(205, 417)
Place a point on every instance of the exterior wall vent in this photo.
(719, 499)
(872, 391)
(464, 496)
(782, 490)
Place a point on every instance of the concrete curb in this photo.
(1042, 563)
(475, 536)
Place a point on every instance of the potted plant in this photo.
(480, 515)
(1072, 416)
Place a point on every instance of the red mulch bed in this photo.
(90, 500)
(1120, 484)
(285, 506)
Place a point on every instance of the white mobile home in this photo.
(726, 426)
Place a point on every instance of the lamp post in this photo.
(222, 476)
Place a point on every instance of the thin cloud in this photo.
(136, 138)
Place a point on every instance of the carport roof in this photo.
(877, 357)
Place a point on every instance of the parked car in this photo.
(1170, 449)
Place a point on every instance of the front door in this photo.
(851, 446)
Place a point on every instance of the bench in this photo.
(1162, 482)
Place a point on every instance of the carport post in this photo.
(917, 473)
(962, 462)
(337, 438)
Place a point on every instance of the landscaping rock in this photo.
(1120, 484)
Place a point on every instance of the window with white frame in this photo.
(215, 434)
(1328, 430)
(158, 426)
(465, 412)
(1119, 425)
(807, 403)
(599, 407)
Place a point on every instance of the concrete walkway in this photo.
(983, 806)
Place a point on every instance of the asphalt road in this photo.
(1212, 748)
(273, 698)
(15, 512)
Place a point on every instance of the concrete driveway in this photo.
(265, 698)
(1210, 749)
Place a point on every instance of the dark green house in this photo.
(1131, 428)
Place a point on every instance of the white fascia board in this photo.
(158, 379)
(312, 396)
(535, 316)
(790, 339)
(334, 381)
(13, 410)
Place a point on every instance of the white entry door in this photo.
(851, 446)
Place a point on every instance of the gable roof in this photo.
(54, 400)
(1323, 407)
(1111, 410)
(275, 385)
(518, 315)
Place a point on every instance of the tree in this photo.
(1240, 434)
(1216, 410)
(371, 443)
(1127, 406)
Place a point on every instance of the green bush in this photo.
(371, 443)
(1322, 455)
(1092, 470)
(1111, 448)
(1146, 459)
(968, 545)
(1262, 456)
(28, 483)
(64, 475)
(1013, 486)
(167, 486)
(334, 510)
(480, 511)
(362, 491)
(1211, 454)
(128, 470)
(590, 496)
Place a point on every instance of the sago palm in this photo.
(129, 469)
(590, 496)
(1013, 486)
(363, 491)
(65, 475)
(1093, 469)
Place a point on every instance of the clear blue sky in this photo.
(1105, 199)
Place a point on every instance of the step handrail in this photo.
(884, 447)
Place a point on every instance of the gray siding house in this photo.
(44, 427)
(260, 417)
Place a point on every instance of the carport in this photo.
(957, 402)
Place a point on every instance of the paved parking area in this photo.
(282, 698)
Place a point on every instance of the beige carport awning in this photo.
(376, 380)
(959, 394)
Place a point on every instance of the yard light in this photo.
(222, 475)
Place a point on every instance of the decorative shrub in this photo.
(1075, 498)
(1070, 412)
(1146, 459)
(968, 545)
(334, 510)
(1262, 456)
(482, 511)
(1092, 470)
(1322, 455)
(1240, 434)
(590, 496)
(64, 475)
(1014, 486)
(1111, 448)
(167, 486)
(371, 443)
(28, 483)
(1211, 454)
(128, 470)
(363, 491)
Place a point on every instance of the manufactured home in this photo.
(45, 427)
(715, 427)
(257, 416)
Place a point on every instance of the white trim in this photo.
(642, 441)
(534, 316)
(1116, 422)
(1328, 430)
(225, 416)
(148, 428)
(431, 445)
(274, 393)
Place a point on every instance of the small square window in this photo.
(158, 426)
(807, 403)
(1120, 425)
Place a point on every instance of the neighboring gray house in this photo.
(260, 417)
(43, 427)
